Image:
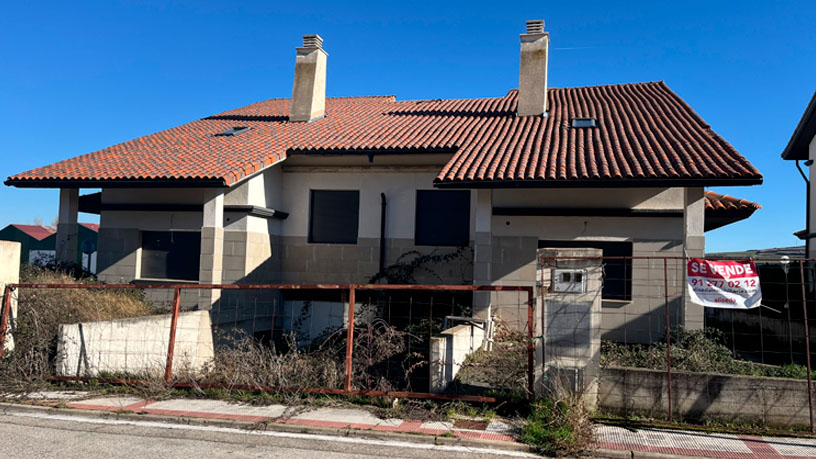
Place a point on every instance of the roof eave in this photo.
(126, 183)
(599, 183)
(797, 148)
(718, 218)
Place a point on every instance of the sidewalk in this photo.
(611, 441)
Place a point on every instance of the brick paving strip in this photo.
(609, 438)
(703, 444)
(340, 418)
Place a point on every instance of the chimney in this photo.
(532, 92)
(309, 91)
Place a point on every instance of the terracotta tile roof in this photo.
(645, 133)
(723, 202)
(38, 232)
(91, 226)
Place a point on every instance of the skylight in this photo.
(234, 131)
(583, 123)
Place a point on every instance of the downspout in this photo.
(382, 232)
(807, 206)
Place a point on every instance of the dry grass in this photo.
(40, 312)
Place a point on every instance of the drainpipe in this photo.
(382, 231)
(807, 206)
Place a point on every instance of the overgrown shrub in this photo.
(503, 367)
(40, 312)
(700, 351)
(559, 426)
(243, 360)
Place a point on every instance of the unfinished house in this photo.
(311, 189)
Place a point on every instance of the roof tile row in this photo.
(644, 132)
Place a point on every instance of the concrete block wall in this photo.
(639, 320)
(135, 346)
(118, 254)
(304, 262)
(514, 263)
(643, 318)
(772, 402)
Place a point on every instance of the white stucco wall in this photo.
(628, 198)
(589, 228)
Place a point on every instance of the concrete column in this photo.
(694, 246)
(67, 230)
(483, 252)
(10, 274)
(212, 249)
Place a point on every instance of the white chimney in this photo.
(532, 92)
(309, 91)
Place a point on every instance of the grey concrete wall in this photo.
(304, 262)
(698, 396)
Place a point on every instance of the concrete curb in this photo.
(272, 426)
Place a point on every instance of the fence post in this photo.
(668, 333)
(4, 318)
(350, 338)
(168, 370)
(807, 343)
(531, 344)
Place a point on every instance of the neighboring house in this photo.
(38, 243)
(331, 190)
(802, 147)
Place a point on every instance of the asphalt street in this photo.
(39, 435)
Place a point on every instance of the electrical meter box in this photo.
(569, 280)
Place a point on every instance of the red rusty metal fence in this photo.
(414, 311)
(647, 330)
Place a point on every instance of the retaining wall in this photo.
(135, 346)
(701, 396)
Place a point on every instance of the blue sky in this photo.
(76, 77)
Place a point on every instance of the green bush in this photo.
(559, 427)
(700, 351)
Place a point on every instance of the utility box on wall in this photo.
(570, 300)
(569, 280)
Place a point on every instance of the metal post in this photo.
(668, 334)
(350, 338)
(530, 345)
(168, 370)
(4, 318)
(807, 343)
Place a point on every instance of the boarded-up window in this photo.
(170, 255)
(333, 216)
(442, 218)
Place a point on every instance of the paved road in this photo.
(39, 435)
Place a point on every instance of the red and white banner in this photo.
(724, 284)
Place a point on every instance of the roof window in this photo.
(583, 123)
(234, 131)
